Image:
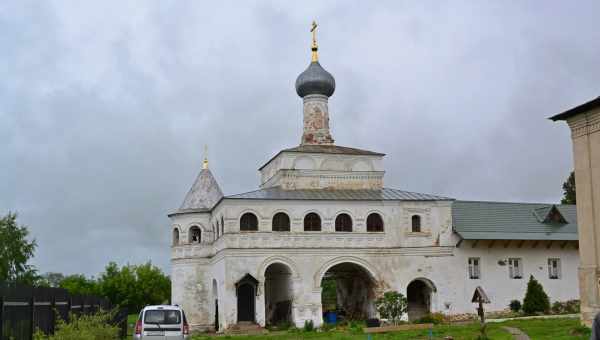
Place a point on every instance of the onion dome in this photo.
(315, 80)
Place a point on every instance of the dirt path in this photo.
(517, 333)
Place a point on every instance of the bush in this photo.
(567, 307)
(536, 300)
(392, 305)
(355, 326)
(515, 306)
(434, 318)
(309, 326)
(83, 327)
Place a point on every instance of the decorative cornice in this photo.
(584, 124)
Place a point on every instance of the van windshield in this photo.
(163, 316)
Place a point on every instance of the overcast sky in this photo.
(105, 107)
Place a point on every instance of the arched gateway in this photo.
(246, 292)
(349, 290)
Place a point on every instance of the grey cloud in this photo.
(105, 107)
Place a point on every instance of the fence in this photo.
(25, 309)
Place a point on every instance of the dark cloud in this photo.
(105, 107)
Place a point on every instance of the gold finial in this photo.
(205, 161)
(314, 47)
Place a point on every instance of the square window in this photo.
(474, 268)
(554, 269)
(515, 268)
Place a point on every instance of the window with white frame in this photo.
(474, 268)
(515, 268)
(554, 269)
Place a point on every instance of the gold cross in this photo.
(314, 47)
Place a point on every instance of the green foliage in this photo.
(570, 194)
(329, 294)
(515, 306)
(434, 318)
(131, 286)
(392, 305)
(15, 252)
(309, 326)
(355, 326)
(566, 307)
(536, 300)
(134, 286)
(51, 279)
(83, 327)
(79, 284)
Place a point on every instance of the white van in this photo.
(163, 322)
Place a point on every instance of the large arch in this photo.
(419, 296)
(318, 277)
(279, 293)
(348, 288)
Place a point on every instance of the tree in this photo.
(570, 196)
(134, 286)
(536, 300)
(392, 305)
(15, 252)
(51, 279)
(79, 284)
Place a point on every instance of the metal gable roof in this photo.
(476, 220)
(385, 194)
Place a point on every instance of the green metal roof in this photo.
(476, 220)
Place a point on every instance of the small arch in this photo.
(343, 223)
(312, 222)
(374, 223)
(281, 222)
(175, 236)
(278, 259)
(419, 295)
(304, 163)
(195, 234)
(416, 223)
(222, 226)
(248, 222)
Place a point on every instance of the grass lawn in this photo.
(545, 329)
(542, 329)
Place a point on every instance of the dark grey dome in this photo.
(315, 80)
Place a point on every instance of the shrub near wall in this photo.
(536, 300)
(83, 327)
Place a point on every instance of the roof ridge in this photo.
(508, 202)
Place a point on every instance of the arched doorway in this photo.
(246, 298)
(418, 295)
(348, 289)
(278, 294)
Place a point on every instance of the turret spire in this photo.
(205, 161)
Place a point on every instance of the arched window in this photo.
(222, 226)
(343, 222)
(374, 223)
(248, 222)
(416, 224)
(216, 230)
(175, 236)
(312, 222)
(281, 222)
(195, 236)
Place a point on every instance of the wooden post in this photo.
(53, 314)
(1, 316)
(32, 315)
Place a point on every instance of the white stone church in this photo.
(322, 212)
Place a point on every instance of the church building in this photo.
(322, 221)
